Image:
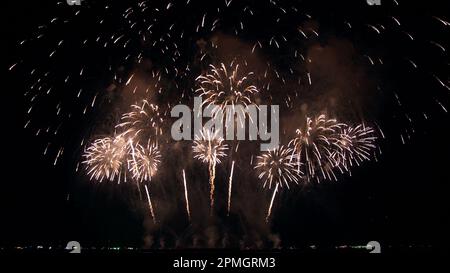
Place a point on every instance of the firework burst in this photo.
(104, 158)
(144, 121)
(209, 148)
(226, 86)
(357, 144)
(314, 146)
(277, 167)
(143, 165)
(145, 161)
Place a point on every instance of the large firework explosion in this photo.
(144, 51)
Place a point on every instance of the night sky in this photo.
(400, 199)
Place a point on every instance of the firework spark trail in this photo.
(230, 185)
(212, 184)
(277, 167)
(133, 157)
(269, 211)
(133, 153)
(150, 204)
(209, 148)
(186, 196)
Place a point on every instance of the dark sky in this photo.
(400, 200)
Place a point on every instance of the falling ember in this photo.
(230, 185)
(269, 211)
(150, 204)
(129, 79)
(12, 67)
(186, 196)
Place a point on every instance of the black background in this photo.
(401, 201)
